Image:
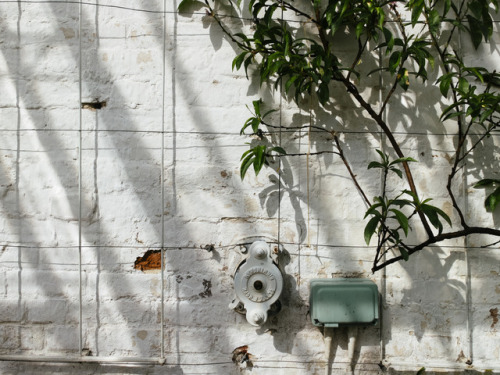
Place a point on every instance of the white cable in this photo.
(328, 335)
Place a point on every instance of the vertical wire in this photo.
(307, 171)
(18, 161)
(383, 281)
(80, 177)
(468, 281)
(162, 184)
(279, 143)
(308, 174)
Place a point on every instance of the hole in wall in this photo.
(94, 105)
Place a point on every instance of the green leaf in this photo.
(402, 219)
(360, 27)
(476, 7)
(255, 124)
(384, 157)
(447, 6)
(475, 27)
(485, 183)
(279, 150)
(401, 202)
(418, 6)
(249, 122)
(403, 79)
(290, 82)
(238, 60)
(323, 93)
(397, 171)
(444, 83)
(492, 200)
(394, 61)
(421, 371)
(375, 164)
(389, 39)
(246, 163)
(404, 254)
(370, 229)
(373, 211)
(260, 158)
(402, 160)
(433, 214)
(434, 21)
(463, 86)
(256, 107)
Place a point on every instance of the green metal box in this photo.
(335, 302)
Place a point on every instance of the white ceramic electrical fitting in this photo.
(258, 283)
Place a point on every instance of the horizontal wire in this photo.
(121, 7)
(90, 4)
(199, 132)
(221, 247)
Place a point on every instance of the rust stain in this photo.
(207, 284)
(150, 261)
(494, 316)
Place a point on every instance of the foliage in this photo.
(412, 38)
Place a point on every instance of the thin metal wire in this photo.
(80, 179)
(283, 130)
(383, 281)
(250, 20)
(162, 184)
(468, 283)
(279, 143)
(198, 248)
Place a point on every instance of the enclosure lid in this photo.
(335, 302)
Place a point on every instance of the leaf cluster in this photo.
(296, 47)
(388, 218)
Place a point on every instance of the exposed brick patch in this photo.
(150, 261)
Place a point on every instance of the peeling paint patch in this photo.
(494, 316)
(150, 261)
(207, 284)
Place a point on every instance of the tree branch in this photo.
(440, 237)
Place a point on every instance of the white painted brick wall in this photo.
(424, 302)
